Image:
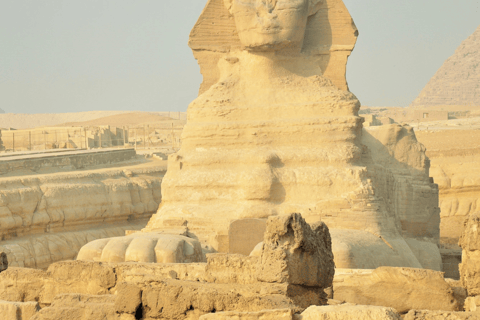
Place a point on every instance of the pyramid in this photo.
(457, 82)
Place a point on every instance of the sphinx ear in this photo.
(313, 6)
(228, 5)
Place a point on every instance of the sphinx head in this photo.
(272, 25)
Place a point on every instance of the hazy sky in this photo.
(81, 55)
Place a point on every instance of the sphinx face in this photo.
(270, 25)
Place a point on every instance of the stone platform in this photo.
(76, 159)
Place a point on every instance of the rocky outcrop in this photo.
(48, 218)
(303, 261)
(296, 253)
(18, 310)
(283, 314)
(440, 315)
(349, 312)
(403, 289)
(341, 312)
(470, 266)
(80, 307)
(3, 261)
(456, 82)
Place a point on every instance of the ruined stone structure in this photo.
(470, 266)
(456, 82)
(48, 218)
(275, 130)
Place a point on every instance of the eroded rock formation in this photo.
(470, 266)
(186, 291)
(48, 218)
(403, 289)
(275, 131)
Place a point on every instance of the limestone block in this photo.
(39, 226)
(174, 299)
(294, 252)
(3, 261)
(245, 234)
(79, 307)
(136, 272)
(22, 284)
(283, 314)
(349, 312)
(78, 277)
(440, 315)
(472, 304)
(18, 310)
(129, 298)
(470, 266)
(144, 247)
(403, 289)
(231, 268)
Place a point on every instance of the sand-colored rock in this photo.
(440, 315)
(456, 82)
(282, 314)
(348, 312)
(273, 132)
(80, 307)
(403, 289)
(215, 35)
(144, 247)
(472, 304)
(3, 261)
(296, 253)
(18, 310)
(470, 266)
(48, 218)
(454, 150)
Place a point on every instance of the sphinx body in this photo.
(275, 131)
(275, 135)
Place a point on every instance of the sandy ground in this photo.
(90, 118)
(124, 119)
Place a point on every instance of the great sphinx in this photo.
(275, 131)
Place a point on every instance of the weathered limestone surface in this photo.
(296, 253)
(470, 266)
(349, 312)
(215, 35)
(144, 247)
(282, 314)
(456, 82)
(455, 165)
(403, 289)
(80, 307)
(48, 218)
(440, 315)
(18, 310)
(276, 131)
(186, 290)
(3, 261)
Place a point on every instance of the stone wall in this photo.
(47, 218)
(69, 159)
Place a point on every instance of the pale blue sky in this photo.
(81, 55)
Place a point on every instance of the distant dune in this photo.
(113, 118)
(1, 110)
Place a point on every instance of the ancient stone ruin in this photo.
(275, 130)
(279, 204)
